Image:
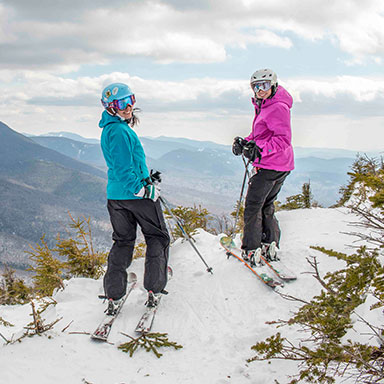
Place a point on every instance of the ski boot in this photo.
(153, 299)
(253, 256)
(245, 255)
(113, 306)
(270, 251)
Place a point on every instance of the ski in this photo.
(277, 267)
(261, 272)
(102, 331)
(283, 272)
(145, 323)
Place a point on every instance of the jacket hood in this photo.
(281, 96)
(106, 119)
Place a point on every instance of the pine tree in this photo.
(364, 195)
(301, 200)
(72, 256)
(326, 319)
(139, 250)
(48, 270)
(191, 218)
(307, 195)
(293, 202)
(361, 170)
(82, 259)
(240, 218)
(13, 290)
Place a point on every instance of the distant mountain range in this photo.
(72, 136)
(207, 173)
(38, 186)
(44, 177)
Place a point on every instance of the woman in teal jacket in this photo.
(132, 199)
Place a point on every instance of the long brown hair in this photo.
(134, 120)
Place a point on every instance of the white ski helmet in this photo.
(264, 74)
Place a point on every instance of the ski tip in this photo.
(279, 288)
(98, 338)
(227, 242)
(272, 283)
(288, 278)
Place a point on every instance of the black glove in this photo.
(251, 151)
(238, 145)
(155, 177)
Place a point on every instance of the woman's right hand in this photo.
(238, 145)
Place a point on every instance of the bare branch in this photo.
(376, 330)
(314, 264)
(291, 298)
(7, 341)
(65, 328)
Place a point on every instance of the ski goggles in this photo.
(261, 85)
(123, 103)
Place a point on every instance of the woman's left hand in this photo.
(251, 151)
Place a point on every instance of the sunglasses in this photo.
(261, 85)
(123, 103)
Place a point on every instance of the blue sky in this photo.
(189, 64)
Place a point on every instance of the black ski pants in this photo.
(260, 223)
(125, 215)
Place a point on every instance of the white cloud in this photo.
(206, 109)
(172, 35)
(358, 87)
(330, 131)
(21, 86)
(75, 34)
(265, 37)
(6, 35)
(40, 39)
(180, 47)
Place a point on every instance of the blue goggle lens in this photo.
(123, 103)
(263, 85)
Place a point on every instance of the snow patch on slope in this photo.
(217, 318)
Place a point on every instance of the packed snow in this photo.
(217, 318)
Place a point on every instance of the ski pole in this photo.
(185, 234)
(241, 194)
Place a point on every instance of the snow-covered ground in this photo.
(217, 318)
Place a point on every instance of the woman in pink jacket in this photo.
(269, 149)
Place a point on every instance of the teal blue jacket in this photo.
(124, 156)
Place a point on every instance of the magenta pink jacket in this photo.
(271, 130)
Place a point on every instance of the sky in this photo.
(189, 65)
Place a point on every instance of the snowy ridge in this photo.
(217, 318)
